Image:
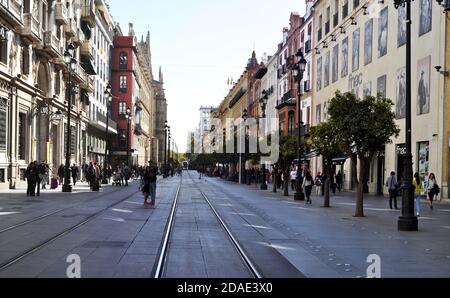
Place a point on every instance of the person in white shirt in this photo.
(293, 178)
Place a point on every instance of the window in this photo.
(122, 138)
(22, 136)
(123, 83)
(291, 125)
(123, 60)
(122, 108)
(3, 51)
(3, 125)
(25, 61)
(57, 83)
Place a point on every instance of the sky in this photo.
(200, 44)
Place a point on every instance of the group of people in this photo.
(37, 176)
(427, 188)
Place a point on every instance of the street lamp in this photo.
(70, 62)
(298, 71)
(408, 220)
(244, 117)
(128, 116)
(108, 97)
(166, 129)
(263, 103)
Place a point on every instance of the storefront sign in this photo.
(401, 149)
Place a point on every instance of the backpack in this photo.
(436, 189)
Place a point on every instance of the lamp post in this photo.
(70, 64)
(168, 153)
(298, 70)
(108, 97)
(263, 103)
(166, 127)
(128, 116)
(408, 220)
(244, 117)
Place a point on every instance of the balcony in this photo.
(308, 46)
(87, 50)
(32, 28)
(80, 75)
(327, 27)
(287, 100)
(88, 12)
(70, 28)
(79, 38)
(11, 10)
(101, 124)
(87, 83)
(335, 19)
(52, 44)
(61, 13)
(305, 130)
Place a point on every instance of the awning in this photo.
(340, 159)
(86, 63)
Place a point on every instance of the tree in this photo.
(363, 126)
(324, 141)
(288, 152)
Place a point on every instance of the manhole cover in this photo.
(98, 244)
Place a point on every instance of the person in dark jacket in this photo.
(74, 170)
(31, 174)
(61, 174)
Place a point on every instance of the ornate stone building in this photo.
(33, 83)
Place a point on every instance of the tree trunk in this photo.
(286, 184)
(274, 180)
(326, 193)
(355, 169)
(360, 191)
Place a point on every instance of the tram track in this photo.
(40, 217)
(17, 258)
(159, 270)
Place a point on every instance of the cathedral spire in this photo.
(161, 78)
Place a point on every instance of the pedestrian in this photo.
(433, 189)
(150, 180)
(31, 180)
(418, 189)
(308, 186)
(391, 184)
(318, 183)
(339, 180)
(61, 174)
(74, 171)
(333, 183)
(293, 178)
(126, 173)
(38, 177)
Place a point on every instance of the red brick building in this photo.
(123, 83)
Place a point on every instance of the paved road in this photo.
(283, 238)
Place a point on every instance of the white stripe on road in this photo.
(445, 227)
(122, 210)
(135, 203)
(115, 219)
(8, 213)
(257, 227)
(242, 214)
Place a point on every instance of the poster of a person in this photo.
(423, 83)
(426, 16)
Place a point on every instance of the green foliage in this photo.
(324, 140)
(366, 124)
(288, 150)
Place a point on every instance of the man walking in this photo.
(152, 177)
(74, 171)
(391, 184)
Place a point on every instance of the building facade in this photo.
(101, 44)
(160, 119)
(34, 85)
(358, 50)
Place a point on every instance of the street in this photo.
(115, 235)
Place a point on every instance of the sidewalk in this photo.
(331, 242)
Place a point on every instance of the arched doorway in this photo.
(42, 131)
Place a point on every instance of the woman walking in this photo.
(307, 186)
(432, 189)
(417, 192)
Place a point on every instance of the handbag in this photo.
(436, 190)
